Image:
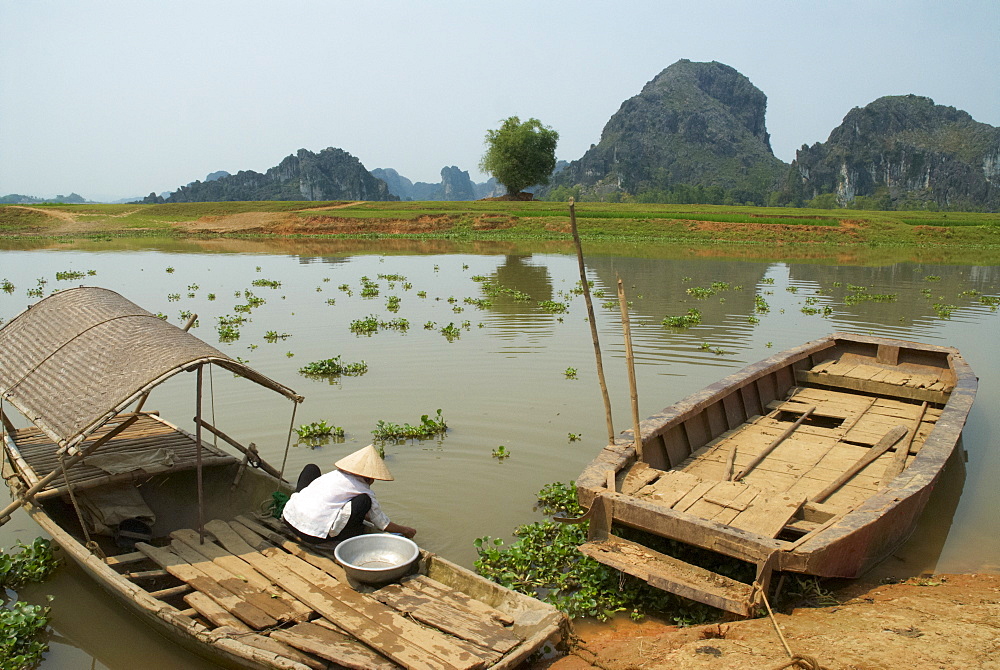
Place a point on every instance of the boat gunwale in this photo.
(918, 477)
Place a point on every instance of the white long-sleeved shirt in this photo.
(323, 508)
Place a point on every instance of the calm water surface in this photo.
(503, 380)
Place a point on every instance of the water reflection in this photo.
(502, 381)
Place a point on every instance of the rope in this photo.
(802, 661)
(76, 507)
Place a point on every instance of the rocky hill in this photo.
(455, 184)
(332, 174)
(694, 124)
(903, 152)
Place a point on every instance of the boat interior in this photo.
(247, 577)
(771, 458)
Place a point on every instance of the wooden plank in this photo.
(738, 505)
(332, 646)
(225, 560)
(670, 487)
(181, 569)
(767, 516)
(242, 570)
(694, 495)
(458, 599)
(163, 594)
(427, 609)
(376, 625)
(891, 437)
(369, 621)
(125, 558)
(275, 647)
(267, 600)
(213, 612)
(639, 475)
(893, 386)
(324, 563)
(670, 574)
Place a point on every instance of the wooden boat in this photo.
(189, 555)
(817, 460)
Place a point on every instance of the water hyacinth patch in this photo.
(692, 318)
(334, 367)
(317, 430)
(427, 428)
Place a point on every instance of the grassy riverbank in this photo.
(697, 225)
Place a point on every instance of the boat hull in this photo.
(842, 536)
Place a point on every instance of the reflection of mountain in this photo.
(918, 288)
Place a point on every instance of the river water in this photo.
(503, 380)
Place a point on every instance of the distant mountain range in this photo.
(695, 133)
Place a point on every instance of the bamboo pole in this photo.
(771, 447)
(898, 462)
(593, 322)
(895, 434)
(630, 364)
(197, 433)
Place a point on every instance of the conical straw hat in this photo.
(365, 463)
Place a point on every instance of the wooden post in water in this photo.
(630, 363)
(592, 320)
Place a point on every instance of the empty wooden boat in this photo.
(164, 520)
(817, 460)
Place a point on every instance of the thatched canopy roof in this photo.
(78, 357)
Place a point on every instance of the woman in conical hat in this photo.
(334, 506)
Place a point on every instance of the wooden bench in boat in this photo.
(152, 443)
(249, 581)
(889, 380)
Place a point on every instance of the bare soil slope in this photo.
(948, 622)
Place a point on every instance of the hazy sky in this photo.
(117, 99)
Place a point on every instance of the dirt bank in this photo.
(945, 621)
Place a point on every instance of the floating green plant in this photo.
(451, 332)
(692, 318)
(944, 311)
(574, 437)
(269, 283)
(544, 562)
(553, 306)
(332, 367)
(481, 303)
(69, 275)
(570, 373)
(273, 336)
(501, 453)
(318, 429)
(372, 324)
(760, 305)
(7, 286)
(427, 428)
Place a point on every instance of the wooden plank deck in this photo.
(249, 579)
(153, 444)
(842, 429)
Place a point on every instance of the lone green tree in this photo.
(519, 154)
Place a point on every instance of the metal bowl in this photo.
(376, 558)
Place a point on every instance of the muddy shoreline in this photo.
(937, 621)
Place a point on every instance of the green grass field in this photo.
(492, 220)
